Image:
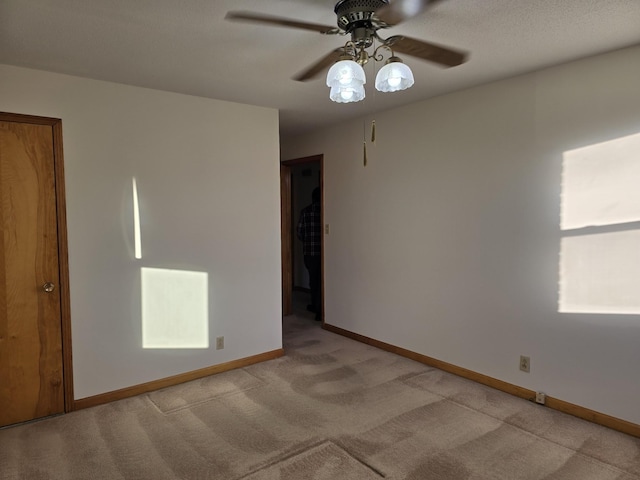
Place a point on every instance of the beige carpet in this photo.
(331, 408)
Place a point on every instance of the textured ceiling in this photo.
(186, 46)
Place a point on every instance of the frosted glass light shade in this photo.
(346, 79)
(347, 94)
(394, 76)
(344, 73)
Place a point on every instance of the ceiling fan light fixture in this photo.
(394, 76)
(361, 19)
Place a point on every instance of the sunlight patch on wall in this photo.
(136, 222)
(601, 184)
(603, 273)
(175, 310)
(600, 220)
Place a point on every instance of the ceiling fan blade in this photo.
(280, 22)
(321, 65)
(400, 10)
(426, 51)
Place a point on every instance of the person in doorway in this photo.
(310, 233)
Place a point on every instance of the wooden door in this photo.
(31, 357)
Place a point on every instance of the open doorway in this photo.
(299, 177)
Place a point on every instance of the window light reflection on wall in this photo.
(175, 307)
(175, 311)
(600, 222)
(136, 222)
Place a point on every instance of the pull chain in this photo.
(364, 143)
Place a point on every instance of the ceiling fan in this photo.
(361, 19)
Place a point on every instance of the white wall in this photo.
(209, 202)
(447, 243)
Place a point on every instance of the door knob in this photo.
(48, 287)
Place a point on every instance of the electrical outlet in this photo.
(326, 229)
(541, 398)
(219, 343)
(525, 364)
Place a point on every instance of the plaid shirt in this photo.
(310, 230)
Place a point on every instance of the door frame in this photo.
(287, 230)
(63, 257)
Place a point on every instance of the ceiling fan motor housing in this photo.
(356, 13)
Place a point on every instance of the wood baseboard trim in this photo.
(553, 403)
(174, 380)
